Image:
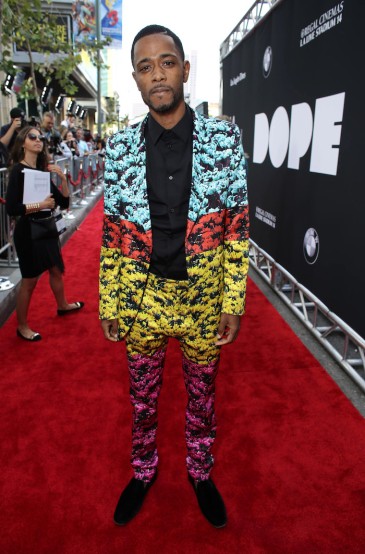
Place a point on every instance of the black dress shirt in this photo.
(169, 172)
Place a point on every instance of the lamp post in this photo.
(117, 109)
(98, 86)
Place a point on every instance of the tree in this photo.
(31, 26)
(113, 113)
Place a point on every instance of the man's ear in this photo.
(186, 70)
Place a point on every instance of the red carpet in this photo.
(290, 450)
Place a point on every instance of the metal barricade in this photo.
(85, 177)
(66, 166)
(100, 171)
(94, 182)
(8, 257)
(90, 178)
(74, 178)
(64, 163)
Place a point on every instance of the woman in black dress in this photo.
(35, 256)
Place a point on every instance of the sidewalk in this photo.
(8, 296)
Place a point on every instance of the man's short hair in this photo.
(16, 112)
(153, 30)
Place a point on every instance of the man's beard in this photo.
(177, 96)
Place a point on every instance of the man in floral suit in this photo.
(174, 259)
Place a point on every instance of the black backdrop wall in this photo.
(295, 86)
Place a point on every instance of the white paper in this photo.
(37, 185)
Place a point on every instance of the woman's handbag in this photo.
(44, 228)
(60, 221)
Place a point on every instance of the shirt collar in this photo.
(182, 130)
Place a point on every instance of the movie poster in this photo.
(84, 20)
(111, 21)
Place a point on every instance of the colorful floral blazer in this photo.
(216, 242)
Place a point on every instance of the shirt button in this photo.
(170, 177)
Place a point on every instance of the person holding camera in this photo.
(63, 150)
(36, 255)
(51, 134)
(8, 133)
(72, 144)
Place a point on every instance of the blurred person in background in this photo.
(69, 122)
(52, 135)
(8, 132)
(100, 145)
(36, 255)
(63, 150)
(81, 143)
(72, 143)
(89, 141)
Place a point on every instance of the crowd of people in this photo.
(68, 140)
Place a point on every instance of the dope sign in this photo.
(293, 137)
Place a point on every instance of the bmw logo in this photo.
(267, 62)
(311, 246)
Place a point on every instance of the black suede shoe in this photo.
(131, 500)
(210, 502)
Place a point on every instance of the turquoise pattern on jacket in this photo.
(218, 166)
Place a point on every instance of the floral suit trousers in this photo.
(166, 312)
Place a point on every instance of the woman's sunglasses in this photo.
(32, 136)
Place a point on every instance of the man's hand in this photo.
(229, 326)
(110, 329)
(16, 123)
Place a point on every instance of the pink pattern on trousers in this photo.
(200, 428)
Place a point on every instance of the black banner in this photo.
(295, 87)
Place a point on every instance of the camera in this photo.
(31, 122)
(72, 146)
(53, 144)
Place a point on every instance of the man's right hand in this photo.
(110, 329)
(16, 123)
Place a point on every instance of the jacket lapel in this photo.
(200, 162)
(137, 182)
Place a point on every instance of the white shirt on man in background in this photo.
(81, 143)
